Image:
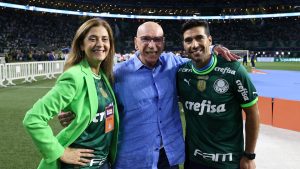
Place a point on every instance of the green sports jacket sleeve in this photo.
(36, 119)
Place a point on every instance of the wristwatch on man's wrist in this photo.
(250, 156)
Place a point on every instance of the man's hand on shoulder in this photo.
(65, 118)
(225, 53)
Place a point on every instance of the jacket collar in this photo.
(92, 93)
(85, 67)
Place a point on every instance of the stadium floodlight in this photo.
(223, 17)
(277, 53)
(264, 52)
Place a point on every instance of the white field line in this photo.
(31, 87)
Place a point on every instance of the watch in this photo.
(250, 156)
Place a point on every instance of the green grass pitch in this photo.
(17, 149)
(295, 66)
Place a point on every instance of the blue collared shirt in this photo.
(149, 115)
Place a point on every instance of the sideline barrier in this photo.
(29, 70)
(47, 69)
(265, 110)
(280, 113)
(16, 71)
(57, 67)
(41, 69)
(2, 75)
(286, 114)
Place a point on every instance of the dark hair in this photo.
(195, 23)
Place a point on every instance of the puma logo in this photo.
(187, 81)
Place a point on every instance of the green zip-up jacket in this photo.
(74, 91)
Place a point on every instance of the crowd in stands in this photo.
(27, 35)
(249, 8)
(35, 36)
(262, 30)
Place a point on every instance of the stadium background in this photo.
(28, 35)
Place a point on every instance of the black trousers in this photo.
(163, 162)
(106, 165)
(193, 165)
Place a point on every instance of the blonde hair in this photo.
(76, 55)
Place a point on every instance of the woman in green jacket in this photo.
(90, 141)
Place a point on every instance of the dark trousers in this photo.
(163, 162)
(192, 165)
(106, 165)
(252, 63)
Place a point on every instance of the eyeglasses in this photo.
(148, 39)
